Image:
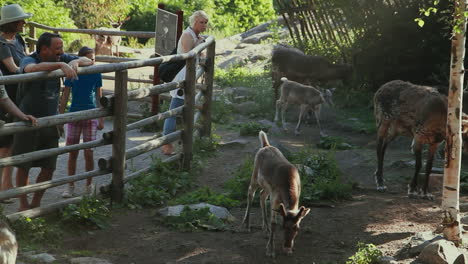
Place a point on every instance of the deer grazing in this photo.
(293, 64)
(105, 43)
(403, 108)
(279, 180)
(307, 97)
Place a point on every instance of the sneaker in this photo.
(68, 193)
(90, 189)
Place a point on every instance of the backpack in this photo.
(168, 70)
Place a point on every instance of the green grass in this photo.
(204, 194)
(259, 83)
(366, 254)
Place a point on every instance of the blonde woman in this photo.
(189, 39)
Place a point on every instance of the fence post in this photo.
(187, 114)
(208, 93)
(119, 135)
(32, 34)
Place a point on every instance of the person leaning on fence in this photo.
(40, 98)
(189, 39)
(86, 92)
(12, 50)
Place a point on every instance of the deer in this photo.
(293, 64)
(105, 43)
(420, 112)
(279, 180)
(8, 244)
(307, 97)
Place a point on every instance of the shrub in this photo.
(325, 181)
(252, 128)
(204, 194)
(35, 231)
(238, 185)
(366, 254)
(329, 142)
(164, 182)
(193, 220)
(90, 211)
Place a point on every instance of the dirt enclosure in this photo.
(328, 234)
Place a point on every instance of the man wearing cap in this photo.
(12, 51)
(40, 98)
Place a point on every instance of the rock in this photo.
(235, 142)
(245, 108)
(257, 38)
(240, 91)
(439, 252)
(261, 28)
(232, 62)
(218, 211)
(418, 242)
(305, 170)
(88, 260)
(42, 258)
(387, 260)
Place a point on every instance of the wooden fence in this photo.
(196, 115)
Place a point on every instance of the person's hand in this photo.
(61, 130)
(100, 125)
(74, 64)
(31, 119)
(70, 73)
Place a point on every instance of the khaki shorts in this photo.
(30, 141)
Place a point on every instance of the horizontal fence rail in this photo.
(136, 34)
(115, 105)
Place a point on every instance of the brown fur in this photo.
(279, 180)
(403, 108)
(307, 97)
(295, 65)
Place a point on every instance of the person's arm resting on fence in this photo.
(10, 107)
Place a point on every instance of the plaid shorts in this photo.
(74, 129)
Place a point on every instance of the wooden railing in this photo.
(196, 122)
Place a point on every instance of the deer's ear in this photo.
(282, 210)
(303, 212)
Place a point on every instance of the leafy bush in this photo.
(164, 182)
(329, 142)
(204, 194)
(325, 181)
(238, 185)
(90, 211)
(252, 128)
(35, 231)
(221, 111)
(193, 220)
(366, 254)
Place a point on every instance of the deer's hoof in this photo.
(297, 133)
(381, 188)
(288, 251)
(427, 196)
(413, 194)
(270, 254)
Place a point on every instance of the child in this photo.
(86, 92)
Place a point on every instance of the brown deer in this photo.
(8, 244)
(403, 108)
(279, 180)
(307, 97)
(105, 43)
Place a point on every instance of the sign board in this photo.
(166, 32)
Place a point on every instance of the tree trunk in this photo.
(450, 195)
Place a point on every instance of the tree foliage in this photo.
(97, 13)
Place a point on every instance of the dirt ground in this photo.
(328, 234)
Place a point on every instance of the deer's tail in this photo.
(263, 139)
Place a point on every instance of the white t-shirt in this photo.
(181, 74)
